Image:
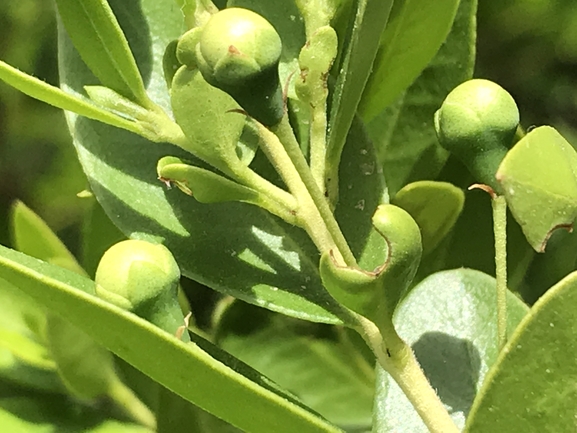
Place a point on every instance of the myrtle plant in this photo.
(306, 159)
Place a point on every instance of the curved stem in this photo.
(500, 230)
(399, 361)
(286, 135)
(274, 199)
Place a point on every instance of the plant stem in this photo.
(398, 359)
(284, 132)
(318, 144)
(274, 199)
(308, 216)
(500, 230)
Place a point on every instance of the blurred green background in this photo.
(527, 46)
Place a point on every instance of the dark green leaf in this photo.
(532, 386)
(450, 321)
(413, 35)
(403, 133)
(198, 372)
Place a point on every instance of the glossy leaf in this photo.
(414, 34)
(539, 180)
(360, 48)
(434, 205)
(450, 321)
(531, 386)
(316, 362)
(237, 394)
(404, 133)
(95, 32)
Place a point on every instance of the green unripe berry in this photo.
(477, 123)
(131, 273)
(238, 51)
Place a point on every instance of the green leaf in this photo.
(204, 185)
(207, 118)
(539, 180)
(531, 387)
(360, 48)
(95, 32)
(316, 362)
(235, 248)
(413, 36)
(404, 134)
(38, 89)
(434, 205)
(198, 372)
(450, 321)
(362, 190)
(32, 236)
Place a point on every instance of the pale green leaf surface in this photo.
(312, 361)
(93, 28)
(450, 321)
(413, 35)
(206, 117)
(235, 248)
(539, 180)
(359, 51)
(44, 92)
(532, 387)
(435, 206)
(189, 370)
(403, 133)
